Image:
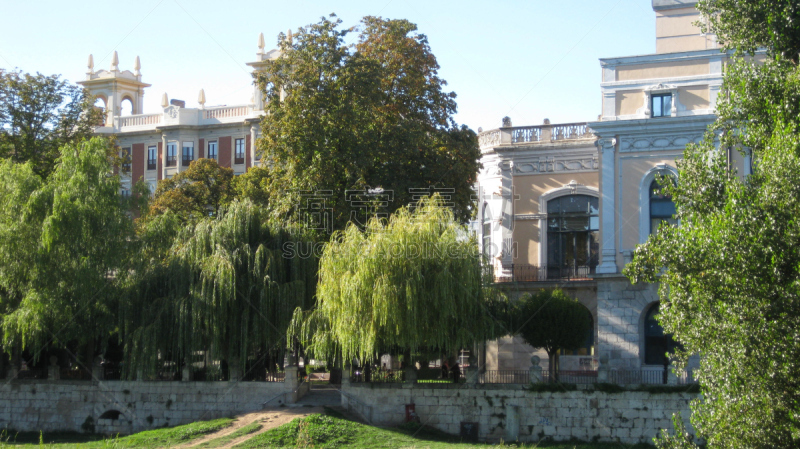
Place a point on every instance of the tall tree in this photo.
(551, 320)
(730, 271)
(361, 117)
(39, 114)
(414, 282)
(63, 240)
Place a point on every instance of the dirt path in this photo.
(269, 419)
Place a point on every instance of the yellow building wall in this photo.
(662, 70)
(677, 22)
(628, 101)
(694, 97)
(633, 171)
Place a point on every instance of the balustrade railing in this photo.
(140, 120)
(226, 112)
(530, 134)
(526, 134)
(505, 377)
(535, 273)
(569, 131)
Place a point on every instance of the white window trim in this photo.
(573, 188)
(661, 89)
(208, 147)
(644, 197)
(244, 150)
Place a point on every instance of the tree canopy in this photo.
(413, 283)
(370, 115)
(551, 320)
(730, 271)
(39, 114)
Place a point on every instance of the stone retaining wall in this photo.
(79, 406)
(511, 413)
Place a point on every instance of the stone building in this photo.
(564, 205)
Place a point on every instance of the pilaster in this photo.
(608, 261)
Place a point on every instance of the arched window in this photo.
(661, 207)
(573, 240)
(656, 343)
(487, 230)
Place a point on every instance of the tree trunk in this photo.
(553, 365)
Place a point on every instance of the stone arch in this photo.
(129, 108)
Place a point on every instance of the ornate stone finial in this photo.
(547, 121)
(164, 101)
(507, 122)
(90, 64)
(261, 44)
(137, 65)
(480, 130)
(289, 36)
(115, 62)
(201, 98)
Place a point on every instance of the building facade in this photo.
(565, 205)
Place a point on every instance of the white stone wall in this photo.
(65, 405)
(627, 417)
(620, 309)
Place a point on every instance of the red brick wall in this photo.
(138, 161)
(225, 151)
(247, 161)
(159, 163)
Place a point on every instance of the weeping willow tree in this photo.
(414, 283)
(62, 242)
(224, 286)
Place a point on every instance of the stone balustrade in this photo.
(546, 133)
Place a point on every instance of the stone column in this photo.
(53, 371)
(672, 378)
(235, 370)
(608, 210)
(97, 369)
(535, 371)
(291, 383)
(411, 374)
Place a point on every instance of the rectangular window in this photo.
(239, 156)
(152, 155)
(172, 150)
(125, 154)
(212, 150)
(188, 153)
(662, 105)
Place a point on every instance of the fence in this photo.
(535, 273)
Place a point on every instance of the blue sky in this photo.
(529, 60)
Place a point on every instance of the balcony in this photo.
(535, 273)
(528, 135)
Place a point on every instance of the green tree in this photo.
(730, 271)
(62, 242)
(551, 320)
(221, 284)
(369, 115)
(39, 114)
(413, 283)
(197, 192)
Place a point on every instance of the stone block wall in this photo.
(78, 406)
(627, 417)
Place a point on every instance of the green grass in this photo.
(158, 438)
(332, 431)
(222, 441)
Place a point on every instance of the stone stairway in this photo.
(321, 396)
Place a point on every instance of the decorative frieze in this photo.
(555, 165)
(658, 143)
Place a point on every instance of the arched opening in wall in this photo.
(126, 106)
(100, 104)
(662, 209)
(573, 236)
(656, 343)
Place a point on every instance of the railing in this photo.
(535, 273)
(32, 374)
(529, 134)
(112, 374)
(526, 134)
(140, 120)
(570, 131)
(505, 377)
(226, 112)
(572, 377)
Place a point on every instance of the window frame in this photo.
(152, 163)
(666, 109)
(212, 154)
(236, 147)
(187, 161)
(556, 268)
(125, 155)
(172, 157)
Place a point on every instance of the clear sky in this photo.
(528, 59)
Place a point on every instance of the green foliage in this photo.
(363, 116)
(730, 272)
(413, 282)
(61, 240)
(551, 320)
(197, 192)
(748, 26)
(221, 285)
(40, 114)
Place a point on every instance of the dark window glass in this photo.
(662, 209)
(172, 149)
(152, 155)
(662, 105)
(188, 153)
(656, 343)
(239, 154)
(212, 150)
(125, 154)
(572, 236)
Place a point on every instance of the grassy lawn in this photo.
(159, 438)
(332, 431)
(319, 431)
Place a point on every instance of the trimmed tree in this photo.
(551, 320)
